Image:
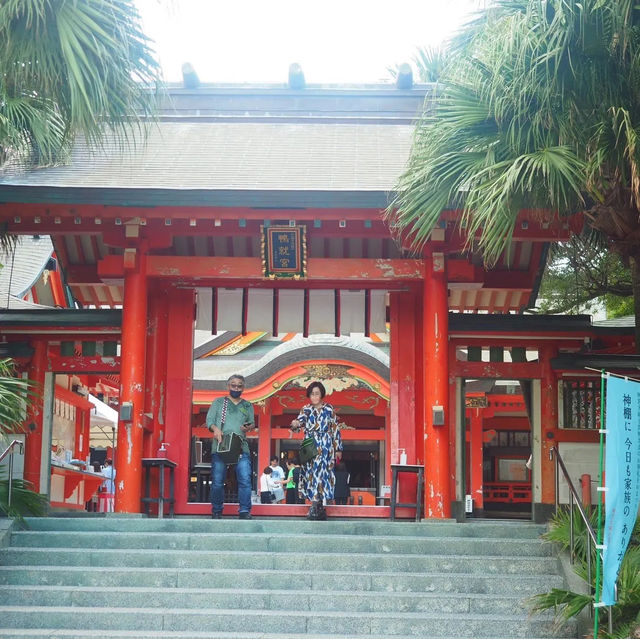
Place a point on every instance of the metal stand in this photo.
(396, 469)
(161, 463)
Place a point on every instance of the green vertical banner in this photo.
(622, 477)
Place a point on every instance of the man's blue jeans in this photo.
(243, 473)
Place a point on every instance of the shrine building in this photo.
(246, 235)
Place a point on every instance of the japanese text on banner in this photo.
(622, 477)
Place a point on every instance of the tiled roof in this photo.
(627, 321)
(238, 156)
(21, 269)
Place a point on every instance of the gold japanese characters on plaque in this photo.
(284, 252)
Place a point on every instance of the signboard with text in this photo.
(284, 252)
(622, 477)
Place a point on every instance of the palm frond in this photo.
(565, 603)
(24, 501)
(15, 394)
(83, 66)
(548, 91)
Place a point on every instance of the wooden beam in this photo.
(48, 211)
(86, 364)
(368, 273)
(82, 274)
(497, 370)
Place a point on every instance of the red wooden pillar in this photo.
(549, 422)
(57, 290)
(453, 426)
(156, 371)
(476, 447)
(33, 422)
(419, 378)
(128, 463)
(436, 388)
(402, 410)
(178, 397)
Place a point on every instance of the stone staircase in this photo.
(113, 577)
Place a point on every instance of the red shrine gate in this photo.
(158, 319)
(143, 230)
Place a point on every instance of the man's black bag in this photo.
(230, 448)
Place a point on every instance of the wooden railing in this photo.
(507, 492)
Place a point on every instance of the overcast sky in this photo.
(335, 41)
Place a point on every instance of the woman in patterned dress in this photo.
(317, 478)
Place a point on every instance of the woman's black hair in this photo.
(268, 470)
(319, 385)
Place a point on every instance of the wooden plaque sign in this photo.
(284, 252)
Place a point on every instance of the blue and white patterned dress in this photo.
(317, 479)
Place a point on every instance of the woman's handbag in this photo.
(308, 450)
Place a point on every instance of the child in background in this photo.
(267, 486)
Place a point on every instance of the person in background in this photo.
(292, 482)
(106, 499)
(277, 474)
(266, 486)
(108, 471)
(317, 478)
(92, 504)
(342, 491)
(231, 414)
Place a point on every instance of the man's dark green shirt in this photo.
(237, 415)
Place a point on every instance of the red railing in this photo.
(507, 493)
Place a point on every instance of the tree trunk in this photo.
(634, 267)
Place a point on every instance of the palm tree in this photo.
(429, 63)
(538, 108)
(67, 68)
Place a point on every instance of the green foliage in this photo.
(560, 527)
(429, 62)
(71, 67)
(618, 306)
(583, 274)
(15, 393)
(24, 501)
(539, 109)
(567, 604)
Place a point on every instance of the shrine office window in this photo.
(579, 403)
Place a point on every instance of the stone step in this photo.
(49, 633)
(128, 576)
(335, 623)
(283, 542)
(523, 585)
(413, 563)
(299, 526)
(267, 599)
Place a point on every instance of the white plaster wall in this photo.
(579, 458)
